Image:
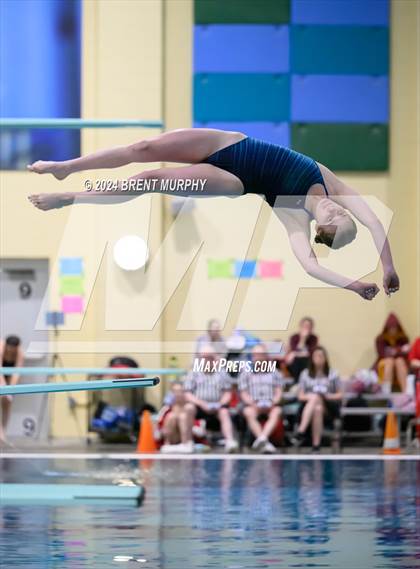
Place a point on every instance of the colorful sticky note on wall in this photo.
(245, 269)
(220, 269)
(54, 318)
(270, 269)
(71, 285)
(72, 304)
(71, 266)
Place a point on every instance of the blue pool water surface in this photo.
(226, 514)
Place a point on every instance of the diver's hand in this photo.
(391, 282)
(368, 291)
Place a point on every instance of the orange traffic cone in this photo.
(146, 441)
(392, 435)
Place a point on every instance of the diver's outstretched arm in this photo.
(299, 237)
(301, 247)
(355, 204)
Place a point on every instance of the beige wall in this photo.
(122, 78)
(137, 63)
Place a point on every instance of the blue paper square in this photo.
(54, 318)
(71, 266)
(245, 269)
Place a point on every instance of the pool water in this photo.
(221, 513)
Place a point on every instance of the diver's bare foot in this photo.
(57, 169)
(46, 202)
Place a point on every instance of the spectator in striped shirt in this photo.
(320, 395)
(261, 392)
(210, 392)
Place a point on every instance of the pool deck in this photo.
(74, 449)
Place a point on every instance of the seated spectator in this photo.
(300, 347)
(123, 362)
(320, 396)
(414, 358)
(213, 337)
(235, 355)
(209, 392)
(176, 421)
(261, 393)
(392, 347)
(11, 355)
(137, 397)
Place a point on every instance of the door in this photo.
(23, 283)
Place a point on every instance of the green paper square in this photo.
(71, 285)
(220, 268)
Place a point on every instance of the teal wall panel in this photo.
(339, 50)
(241, 97)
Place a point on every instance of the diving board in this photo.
(89, 371)
(28, 388)
(71, 494)
(18, 123)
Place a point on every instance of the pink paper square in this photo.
(270, 269)
(72, 304)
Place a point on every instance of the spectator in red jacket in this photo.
(301, 345)
(414, 358)
(392, 347)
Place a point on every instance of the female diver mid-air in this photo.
(232, 164)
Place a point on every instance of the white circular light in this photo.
(131, 252)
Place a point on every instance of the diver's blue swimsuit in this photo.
(275, 171)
